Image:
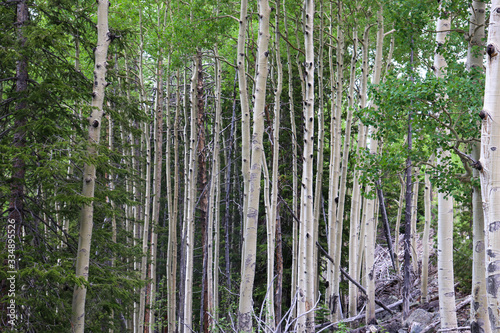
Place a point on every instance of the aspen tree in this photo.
(355, 264)
(244, 104)
(343, 175)
(252, 211)
(294, 159)
(158, 166)
(187, 322)
(89, 170)
(306, 297)
(425, 239)
(213, 217)
(318, 198)
(445, 206)
(370, 215)
(173, 213)
(334, 235)
(271, 228)
(479, 312)
(489, 164)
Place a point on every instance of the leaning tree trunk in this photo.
(89, 170)
(445, 209)
(249, 254)
(490, 165)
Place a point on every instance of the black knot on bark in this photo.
(482, 114)
(490, 49)
(94, 94)
(266, 53)
(477, 165)
(95, 124)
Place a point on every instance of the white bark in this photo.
(187, 325)
(89, 171)
(370, 213)
(479, 311)
(306, 297)
(490, 161)
(445, 213)
(252, 211)
(334, 234)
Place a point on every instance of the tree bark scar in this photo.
(494, 226)
(492, 285)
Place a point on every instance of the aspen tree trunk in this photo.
(213, 217)
(158, 166)
(251, 217)
(271, 229)
(305, 323)
(245, 108)
(318, 197)
(187, 322)
(89, 170)
(425, 239)
(489, 166)
(445, 210)
(334, 235)
(343, 176)
(187, 192)
(479, 312)
(355, 264)
(294, 163)
(173, 213)
(145, 230)
(370, 215)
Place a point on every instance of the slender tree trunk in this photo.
(158, 166)
(479, 312)
(306, 301)
(89, 170)
(334, 235)
(489, 164)
(272, 217)
(187, 322)
(370, 215)
(414, 207)
(251, 217)
(245, 108)
(343, 179)
(318, 197)
(294, 162)
(445, 208)
(425, 239)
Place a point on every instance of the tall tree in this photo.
(475, 54)
(104, 38)
(490, 135)
(445, 203)
(251, 216)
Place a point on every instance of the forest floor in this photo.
(423, 317)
